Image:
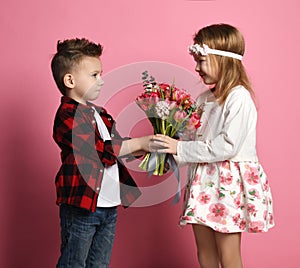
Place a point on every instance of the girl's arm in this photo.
(240, 121)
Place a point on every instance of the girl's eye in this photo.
(95, 75)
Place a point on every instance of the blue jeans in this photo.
(86, 237)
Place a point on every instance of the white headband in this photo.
(205, 50)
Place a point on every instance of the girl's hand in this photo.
(164, 144)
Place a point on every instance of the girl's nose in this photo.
(197, 69)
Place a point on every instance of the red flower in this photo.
(194, 121)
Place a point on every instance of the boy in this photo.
(91, 181)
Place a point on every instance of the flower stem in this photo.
(163, 127)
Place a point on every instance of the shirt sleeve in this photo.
(239, 113)
(74, 134)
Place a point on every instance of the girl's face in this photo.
(206, 70)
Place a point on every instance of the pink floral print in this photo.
(227, 179)
(203, 198)
(218, 213)
(252, 176)
(229, 197)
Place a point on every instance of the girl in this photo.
(228, 192)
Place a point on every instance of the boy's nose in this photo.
(100, 82)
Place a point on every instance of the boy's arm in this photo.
(135, 146)
(75, 135)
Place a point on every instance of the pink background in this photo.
(133, 31)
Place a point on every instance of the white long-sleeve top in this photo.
(227, 132)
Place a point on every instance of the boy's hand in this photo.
(137, 145)
(148, 144)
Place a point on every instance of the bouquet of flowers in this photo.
(171, 112)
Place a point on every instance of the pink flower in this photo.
(238, 201)
(227, 180)
(236, 218)
(180, 115)
(239, 221)
(180, 95)
(218, 213)
(242, 225)
(252, 176)
(251, 209)
(203, 198)
(256, 227)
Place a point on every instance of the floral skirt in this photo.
(229, 197)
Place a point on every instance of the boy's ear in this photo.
(69, 81)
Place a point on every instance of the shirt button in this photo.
(109, 119)
(93, 122)
(98, 188)
(112, 135)
(101, 170)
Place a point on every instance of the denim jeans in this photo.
(86, 237)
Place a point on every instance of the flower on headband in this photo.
(205, 50)
(197, 49)
(194, 49)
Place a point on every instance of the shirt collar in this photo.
(83, 107)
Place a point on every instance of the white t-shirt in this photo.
(109, 195)
(227, 132)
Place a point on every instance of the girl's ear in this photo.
(69, 81)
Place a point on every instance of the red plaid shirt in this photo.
(84, 155)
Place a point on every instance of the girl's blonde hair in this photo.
(231, 71)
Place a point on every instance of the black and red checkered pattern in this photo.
(84, 155)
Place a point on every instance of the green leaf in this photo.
(221, 195)
(252, 192)
(190, 213)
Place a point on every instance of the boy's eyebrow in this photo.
(97, 71)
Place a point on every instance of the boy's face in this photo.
(86, 80)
